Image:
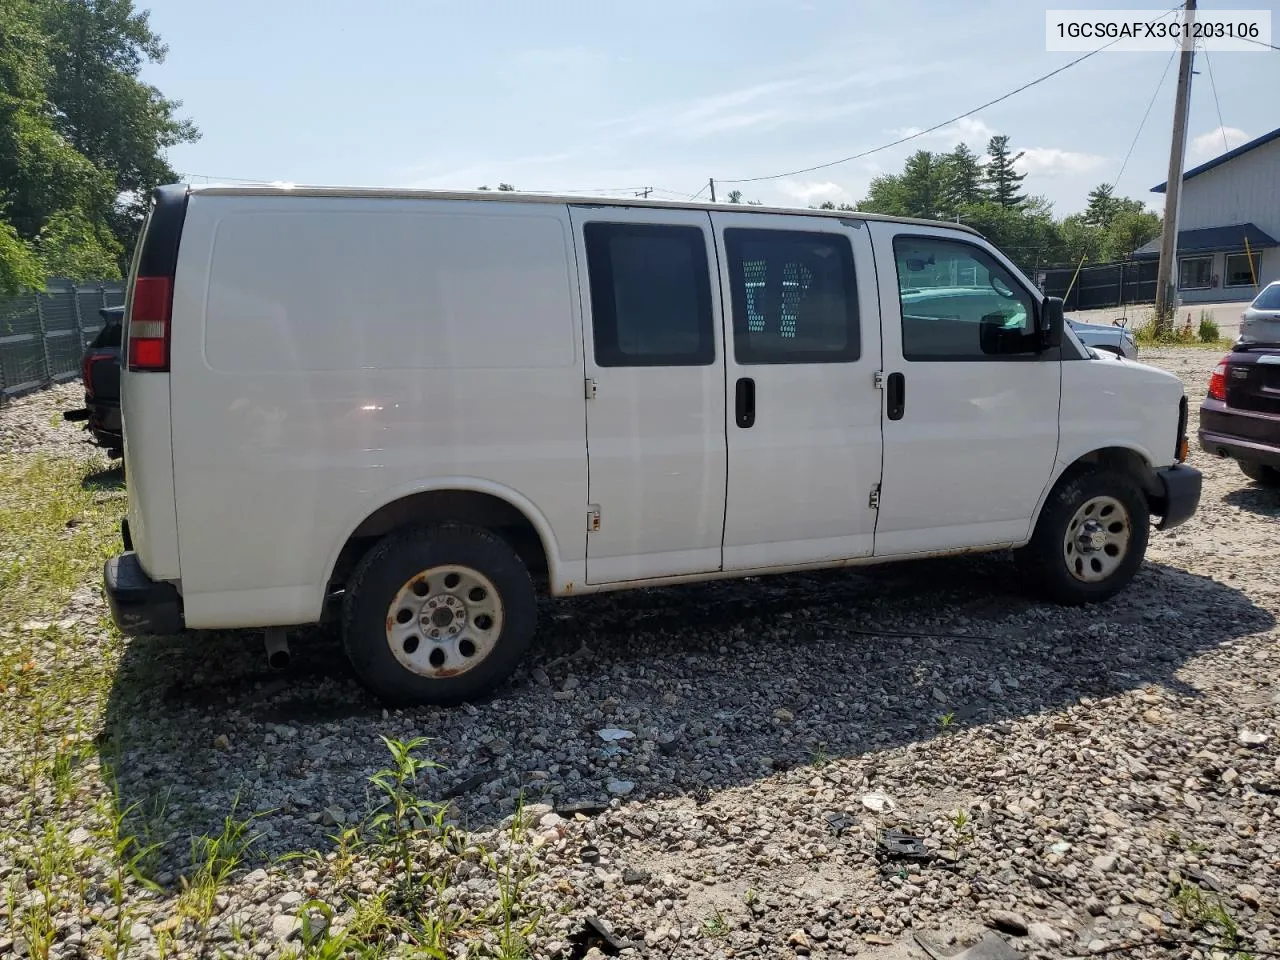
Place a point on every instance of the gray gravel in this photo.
(33, 424)
(1067, 770)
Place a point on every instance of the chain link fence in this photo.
(43, 335)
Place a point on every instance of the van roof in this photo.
(515, 196)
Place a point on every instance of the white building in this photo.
(1228, 216)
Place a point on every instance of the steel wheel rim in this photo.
(444, 621)
(1097, 539)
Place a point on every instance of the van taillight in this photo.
(148, 329)
(1218, 381)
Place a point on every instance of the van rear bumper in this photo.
(140, 605)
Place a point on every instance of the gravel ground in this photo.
(33, 423)
(1084, 781)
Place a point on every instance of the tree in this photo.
(41, 174)
(885, 195)
(961, 180)
(916, 192)
(1130, 229)
(1102, 205)
(81, 138)
(921, 185)
(1003, 180)
(121, 124)
(735, 196)
(73, 246)
(19, 265)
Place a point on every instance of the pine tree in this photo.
(921, 185)
(961, 181)
(1102, 207)
(1003, 181)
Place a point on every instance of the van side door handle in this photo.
(745, 405)
(896, 388)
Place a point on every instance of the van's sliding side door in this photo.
(802, 326)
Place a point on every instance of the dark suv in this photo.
(100, 370)
(1240, 417)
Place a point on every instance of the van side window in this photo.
(957, 301)
(650, 295)
(795, 298)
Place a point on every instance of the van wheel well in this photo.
(444, 506)
(1123, 460)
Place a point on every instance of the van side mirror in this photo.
(1049, 323)
(996, 339)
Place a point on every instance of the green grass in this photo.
(1206, 912)
(59, 522)
(1182, 333)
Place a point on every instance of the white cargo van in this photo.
(424, 409)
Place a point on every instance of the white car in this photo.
(1260, 322)
(1109, 337)
(426, 410)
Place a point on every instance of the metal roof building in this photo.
(1228, 222)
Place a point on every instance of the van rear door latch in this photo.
(593, 518)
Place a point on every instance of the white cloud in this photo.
(967, 130)
(811, 98)
(1211, 144)
(815, 192)
(1053, 162)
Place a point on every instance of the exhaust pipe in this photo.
(276, 641)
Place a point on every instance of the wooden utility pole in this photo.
(712, 183)
(1166, 276)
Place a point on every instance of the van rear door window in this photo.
(650, 295)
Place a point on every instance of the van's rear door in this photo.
(145, 403)
(655, 382)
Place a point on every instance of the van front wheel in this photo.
(1090, 539)
(438, 614)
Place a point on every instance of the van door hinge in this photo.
(874, 502)
(879, 379)
(593, 518)
(589, 388)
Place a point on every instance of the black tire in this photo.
(1260, 473)
(1045, 559)
(398, 559)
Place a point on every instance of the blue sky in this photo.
(570, 95)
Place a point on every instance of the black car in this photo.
(1240, 418)
(100, 369)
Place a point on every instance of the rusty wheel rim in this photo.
(444, 621)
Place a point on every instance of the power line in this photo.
(700, 191)
(208, 178)
(1151, 103)
(1261, 43)
(1222, 127)
(921, 133)
(936, 126)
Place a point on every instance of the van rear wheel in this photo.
(1090, 539)
(438, 614)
